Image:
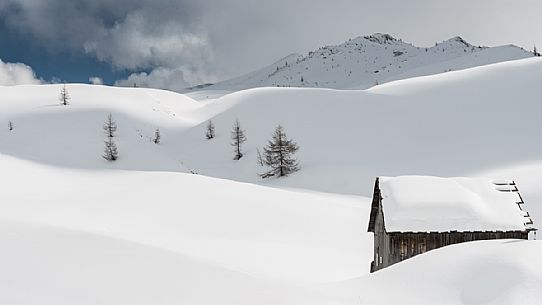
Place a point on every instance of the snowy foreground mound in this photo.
(484, 272)
(103, 237)
(127, 237)
(75, 229)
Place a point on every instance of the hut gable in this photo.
(414, 214)
(374, 207)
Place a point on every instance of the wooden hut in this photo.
(414, 214)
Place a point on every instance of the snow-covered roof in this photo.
(433, 204)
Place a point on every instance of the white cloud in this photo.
(162, 78)
(17, 74)
(95, 80)
(131, 44)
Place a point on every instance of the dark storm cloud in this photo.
(130, 34)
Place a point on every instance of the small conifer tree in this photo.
(157, 136)
(64, 96)
(238, 137)
(110, 151)
(110, 126)
(210, 130)
(278, 155)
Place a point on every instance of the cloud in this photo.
(96, 80)
(162, 78)
(134, 44)
(17, 74)
(129, 34)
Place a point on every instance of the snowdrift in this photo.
(481, 272)
(269, 232)
(47, 265)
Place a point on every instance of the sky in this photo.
(173, 44)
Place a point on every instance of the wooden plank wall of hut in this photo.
(406, 245)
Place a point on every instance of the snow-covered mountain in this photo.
(365, 61)
(145, 229)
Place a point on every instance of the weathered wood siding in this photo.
(382, 242)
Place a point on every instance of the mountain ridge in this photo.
(365, 61)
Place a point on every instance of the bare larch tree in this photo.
(238, 138)
(278, 155)
(110, 126)
(157, 136)
(110, 151)
(210, 130)
(64, 96)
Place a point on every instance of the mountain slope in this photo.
(450, 124)
(72, 135)
(365, 61)
(447, 124)
(453, 124)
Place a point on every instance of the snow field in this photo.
(75, 228)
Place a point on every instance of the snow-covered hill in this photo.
(78, 229)
(452, 124)
(72, 135)
(365, 61)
